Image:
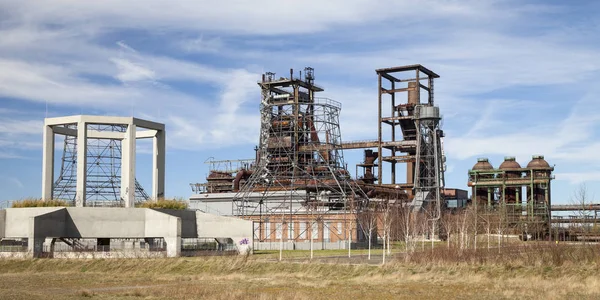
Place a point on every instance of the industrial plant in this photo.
(298, 189)
(295, 193)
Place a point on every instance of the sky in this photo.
(518, 77)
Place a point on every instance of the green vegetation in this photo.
(39, 203)
(164, 204)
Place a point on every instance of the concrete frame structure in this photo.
(156, 131)
(42, 223)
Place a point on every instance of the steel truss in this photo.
(103, 170)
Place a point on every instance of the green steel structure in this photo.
(515, 199)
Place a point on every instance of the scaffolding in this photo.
(103, 178)
(299, 176)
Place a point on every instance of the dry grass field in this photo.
(549, 272)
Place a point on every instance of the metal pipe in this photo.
(242, 174)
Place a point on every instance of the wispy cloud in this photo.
(202, 45)
(515, 76)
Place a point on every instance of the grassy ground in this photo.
(550, 274)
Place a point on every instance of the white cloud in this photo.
(130, 71)
(578, 177)
(246, 17)
(467, 42)
(202, 45)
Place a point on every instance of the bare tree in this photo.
(582, 199)
(387, 218)
(367, 219)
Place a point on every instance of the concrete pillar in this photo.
(48, 163)
(128, 166)
(81, 164)
(158, 165)
(173, 246)
(35, 246)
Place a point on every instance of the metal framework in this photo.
(299, 176)
(416, 135)
(497, 194)
(103, 170)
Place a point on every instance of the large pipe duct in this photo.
(241, 174)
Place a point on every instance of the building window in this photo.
(326, 229)
(339, 227)
(302, 230)
(267, 230)
(314, 231)
(256, 230)
(290, 230)
(278, 231)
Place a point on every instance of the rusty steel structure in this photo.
(299, 168)
(298, 182)
(498, 194)
(409, 133)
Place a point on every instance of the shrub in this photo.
(164, 204)
(39, 203)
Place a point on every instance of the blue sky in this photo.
(517, 77)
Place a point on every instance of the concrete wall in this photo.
(111, 254)
(106, 222)
(2, 222)
(38, 224)
(240, 231)
(213, 207)
(159, 224)
(17, 220)
(189, 226)
(51, 224)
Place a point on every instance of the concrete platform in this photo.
(38, 224)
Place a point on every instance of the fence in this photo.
(206, 247)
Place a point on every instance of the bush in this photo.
(39, 203)
(164, 204)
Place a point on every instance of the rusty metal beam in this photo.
(575, 207)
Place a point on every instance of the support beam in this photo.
(128, 166)
(105, 135)
(81, 164)
(158, 165)
(48, 163)
(148, 124)
(91, 134)
(146, 134)
(64, 130)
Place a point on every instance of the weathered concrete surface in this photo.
(106, 222)
(15, 255)
(39, 224)
(159, 224)
(17, 220)
(240, 231)
(189, 228)
(2, 223)
(51, 224)
(111, 254)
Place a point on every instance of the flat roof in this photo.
(408, 68)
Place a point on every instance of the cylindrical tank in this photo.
(511, 170)
(540, 169)
(413, 93)
(482, 194)
(539, 193)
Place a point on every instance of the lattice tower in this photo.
(103, 170)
